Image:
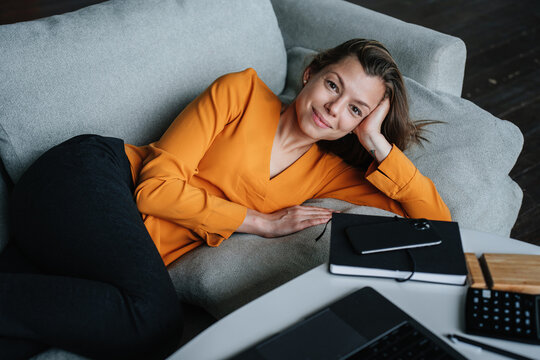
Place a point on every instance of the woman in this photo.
(235, 160)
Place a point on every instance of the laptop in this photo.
(362, 325)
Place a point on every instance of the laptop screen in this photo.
(299, 342)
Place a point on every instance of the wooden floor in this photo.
(502, 73)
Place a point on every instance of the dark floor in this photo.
(502, 73)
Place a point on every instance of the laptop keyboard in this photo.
(404, 342)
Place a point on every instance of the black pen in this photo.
(457, 339)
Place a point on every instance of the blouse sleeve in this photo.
(395, 185)
(163, 189)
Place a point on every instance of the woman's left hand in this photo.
(369, 132)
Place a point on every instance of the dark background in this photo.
(502, 72)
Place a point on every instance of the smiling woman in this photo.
(344, 98)
(396, 127)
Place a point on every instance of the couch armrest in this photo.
(433, 59)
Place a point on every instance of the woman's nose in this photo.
(333, 107)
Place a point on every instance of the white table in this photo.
(439, 307)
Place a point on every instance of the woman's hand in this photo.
(369, 132)
(372, 124)
(285, 221)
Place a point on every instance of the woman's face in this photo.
(336, 99)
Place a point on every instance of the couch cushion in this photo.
(124, 68)
(246, 266)
(468, 157)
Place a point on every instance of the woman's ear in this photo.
(306, 76)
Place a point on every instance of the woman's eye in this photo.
(331, 84)
(356, 110)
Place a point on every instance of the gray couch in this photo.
(126, 68)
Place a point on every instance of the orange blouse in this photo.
(194, 185)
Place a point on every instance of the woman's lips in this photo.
(320, 121)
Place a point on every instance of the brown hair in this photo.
(397, 127)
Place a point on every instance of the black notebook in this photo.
(442, 263)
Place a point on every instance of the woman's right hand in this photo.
(285, 221)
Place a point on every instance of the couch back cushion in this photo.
(124, 68)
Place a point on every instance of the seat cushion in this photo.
(246, 266)
(124, 68)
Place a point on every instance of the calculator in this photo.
(503, 314)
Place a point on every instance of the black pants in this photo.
(88, 279)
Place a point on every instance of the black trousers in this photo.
(82, 272)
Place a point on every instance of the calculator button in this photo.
(486, 294)
(496, 310)
(527, 313)
(496, 318)
(476, 300)
(517, 305)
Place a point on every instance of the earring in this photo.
(305, 82)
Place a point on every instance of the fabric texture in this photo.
(124, 68)
(247, 266)
(195, 184)
(96, 284)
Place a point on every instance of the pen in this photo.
(457, 339)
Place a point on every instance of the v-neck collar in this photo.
(290, 168)
(306, 155)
